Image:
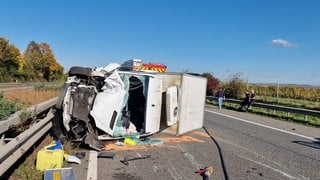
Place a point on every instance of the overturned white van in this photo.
(104, 103)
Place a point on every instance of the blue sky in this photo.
(267, 41)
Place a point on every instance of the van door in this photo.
(153, 104)
(191, 103)
(172, 105)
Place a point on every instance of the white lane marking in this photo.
(262, 125)
(92, 165)
(277, 170)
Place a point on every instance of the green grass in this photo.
(289, 102)
(292, 117)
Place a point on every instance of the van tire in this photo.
(80, 71)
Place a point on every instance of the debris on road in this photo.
(104, 154)
(128, 158)
(60, 174)
(52, 156)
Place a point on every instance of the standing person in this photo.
(220, 95)
(245, 103)
(252, 98)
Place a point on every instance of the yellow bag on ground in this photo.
(48, 159)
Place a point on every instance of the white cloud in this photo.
(283, 43)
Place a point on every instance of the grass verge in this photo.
(26, 167)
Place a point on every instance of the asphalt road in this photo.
(252, 147)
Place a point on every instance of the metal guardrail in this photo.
(306, 112)
(15, 148)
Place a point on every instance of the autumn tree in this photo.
(9, 61)
(35, 60)
(212, 83)
(41, 61)
(51, 69)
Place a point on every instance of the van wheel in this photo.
(80, 71)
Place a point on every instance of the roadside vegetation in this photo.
(36, 64)
(305, 97)
(21, 99)
(12, 101)
(18, 99)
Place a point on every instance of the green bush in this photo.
(7, 108)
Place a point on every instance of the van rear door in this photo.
(153, 104)
(191, 103)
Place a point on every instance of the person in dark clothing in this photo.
(252, 98)
(245, 103)
(246, 99)
(220, 96)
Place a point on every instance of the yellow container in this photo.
(130, 141)
(48, 159)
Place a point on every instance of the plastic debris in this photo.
(105, 154)
(54, 146)
(119, 143)
(72, 158)
(149, 141)
(60, 174)
(130, 141)
(80, 155)
(136, 140)
(128, 158)
(52, 156)
(47, 159)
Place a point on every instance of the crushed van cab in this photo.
(104, 103)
